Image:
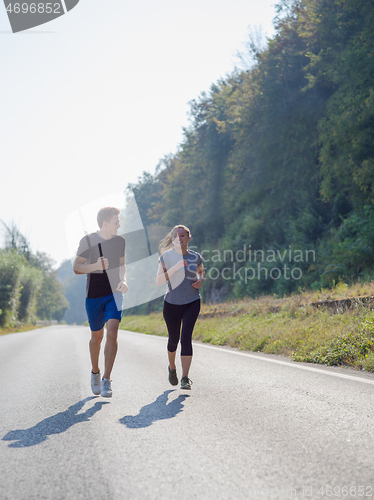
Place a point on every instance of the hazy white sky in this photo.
(94, 98)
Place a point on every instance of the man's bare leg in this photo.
(95, 344)
(111, 346)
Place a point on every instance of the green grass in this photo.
(15, 329)
(288, 326)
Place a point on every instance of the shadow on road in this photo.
(158, 410)
(56, 424)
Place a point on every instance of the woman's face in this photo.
(180, 238)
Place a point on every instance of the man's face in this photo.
(113, 225)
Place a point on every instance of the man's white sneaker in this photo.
(95, 383)
(106, 388)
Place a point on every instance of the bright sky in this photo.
(94, 98)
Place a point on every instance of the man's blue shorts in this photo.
(103, 308)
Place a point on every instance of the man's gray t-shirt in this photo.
(182, 291)
(101, 284)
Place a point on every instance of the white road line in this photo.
(289, 364)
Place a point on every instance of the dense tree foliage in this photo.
(29, 289)
(279, 158)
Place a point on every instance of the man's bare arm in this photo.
(81, 266)
(122, 285)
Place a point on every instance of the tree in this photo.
(28, 284)
(52, 303)
(11, 266)
(340, 43)
(15, 240)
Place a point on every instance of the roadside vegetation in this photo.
(289, 326)
(16, 329)
(29, 289)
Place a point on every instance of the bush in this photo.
(11, 267)
(349, 252)
(30, 283)
(350, 349)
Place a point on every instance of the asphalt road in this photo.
(253, 426)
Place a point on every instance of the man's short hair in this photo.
(106, 213)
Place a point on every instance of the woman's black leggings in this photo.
(174, 315)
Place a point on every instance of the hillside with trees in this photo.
(276, 169)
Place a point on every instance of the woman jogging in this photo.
(183, 271)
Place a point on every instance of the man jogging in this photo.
(101, 256)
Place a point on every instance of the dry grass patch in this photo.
(289, 326)
(15, 329)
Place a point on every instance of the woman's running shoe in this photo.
(173, 379)
(186, 383)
